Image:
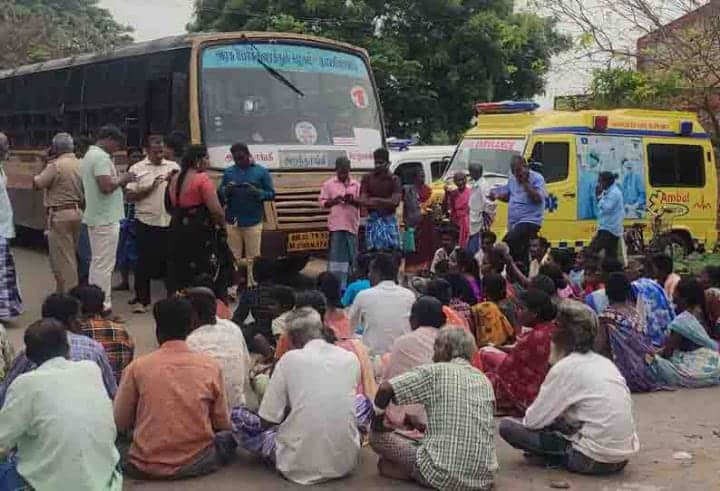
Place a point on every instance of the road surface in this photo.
(684, 420)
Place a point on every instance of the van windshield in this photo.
(494, 154)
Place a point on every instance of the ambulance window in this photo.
(406, 172)
(676, 165)
(555, 159)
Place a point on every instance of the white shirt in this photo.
(61, 420)
(151, 209)
(319, 439)
(225, 343)
(587, 390)
(479, 204)
(384, 311)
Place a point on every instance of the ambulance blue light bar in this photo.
(505, 107)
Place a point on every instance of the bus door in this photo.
(552, 156)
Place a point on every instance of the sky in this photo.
(151, 19)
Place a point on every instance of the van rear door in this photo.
(681, 182)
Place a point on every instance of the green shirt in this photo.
(100, 208)
(458, 451)
(61, 420)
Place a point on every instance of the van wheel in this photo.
(293, 264)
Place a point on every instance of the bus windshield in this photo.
(319, 103)
(494, 154)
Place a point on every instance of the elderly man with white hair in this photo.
(10, 301)
(63, 200)
(307, 425)
(458, 450)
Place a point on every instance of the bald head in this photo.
(476, 170)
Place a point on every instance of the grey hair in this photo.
(304, 324)
(460, 343)
(577, 326)
(4, 145)
(63, 143)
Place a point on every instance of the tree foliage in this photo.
(37, 30)
(677, 62)
(432, 59)
(624, 87)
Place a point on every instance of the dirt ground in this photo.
(684, 420)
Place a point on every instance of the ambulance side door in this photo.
(554, 157)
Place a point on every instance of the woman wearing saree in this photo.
(689, 357)
(457, 204)
(621, 337)
(490, 318)
(192, 202)
(516, 372)
(417, 204)
(710, 281)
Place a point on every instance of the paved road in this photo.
(668, 422)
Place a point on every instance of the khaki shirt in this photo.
(151, 209)
(61, 181)
(63, 186)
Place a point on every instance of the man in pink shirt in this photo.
(340, 194)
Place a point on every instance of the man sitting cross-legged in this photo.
(308, 420)
(59, 417)
(173, 401)
(458, 450)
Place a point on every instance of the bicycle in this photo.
(663, 241)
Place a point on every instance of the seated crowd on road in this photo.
(415, 358)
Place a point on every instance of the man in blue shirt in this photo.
(244, 188)
(525, 194)
(611, 214)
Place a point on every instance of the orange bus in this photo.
(298, 101)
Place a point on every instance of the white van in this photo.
(433, 159)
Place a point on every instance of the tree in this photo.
(624, 87)
(34, 30)
(432, 59)
(678, 61)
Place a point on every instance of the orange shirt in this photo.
(173, 400)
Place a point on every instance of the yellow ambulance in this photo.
(664, 161)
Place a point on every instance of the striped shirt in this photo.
(81, 348)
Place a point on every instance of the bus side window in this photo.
(555, 160)
(406, 172)
(676, 165)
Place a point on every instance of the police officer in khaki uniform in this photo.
(63, 200)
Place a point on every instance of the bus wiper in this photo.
(276, 75)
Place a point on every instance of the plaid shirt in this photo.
(119, 347)
(458, 451)
(81, 348)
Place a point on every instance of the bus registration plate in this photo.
(308, 241)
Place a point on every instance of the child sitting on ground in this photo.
(262, 305)
(448, 247)
(360, 280)
(538, 250)
(285, 297)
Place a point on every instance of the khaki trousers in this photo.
(63, 237)
(245, 243)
